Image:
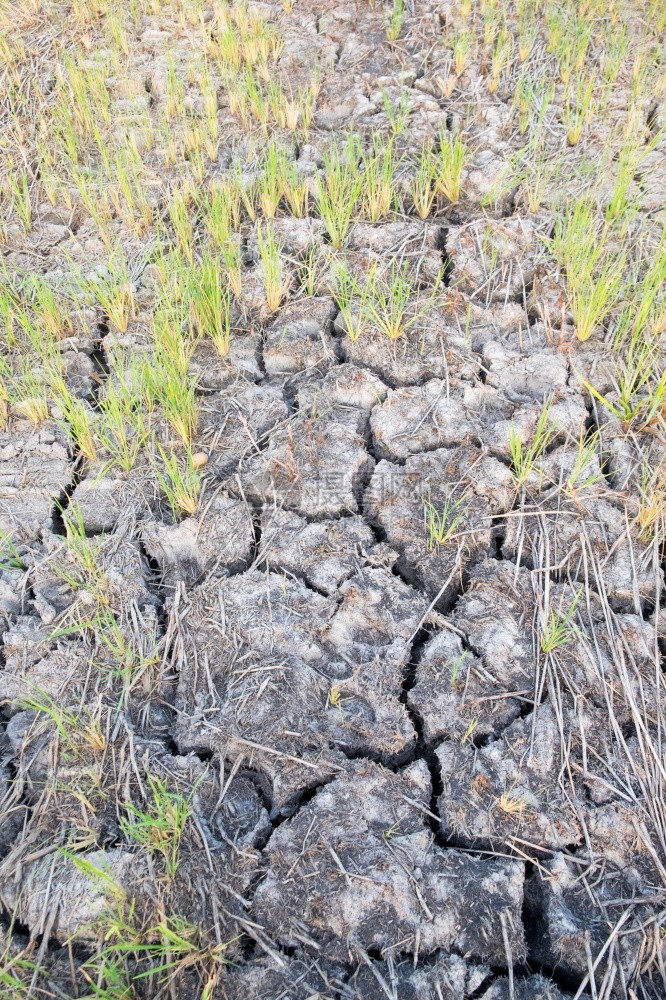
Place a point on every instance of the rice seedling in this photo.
(127, 194)
(651, 515)
(272, 181)
(397, 114)
(79, 732)
(307, 101)
(180, 480)
(5, 393)
(83, 94)
(257, 103)
(452, 156)
(160, 826)
(528, 28)
(643, 316)
(463, 45)
(585, 471)
(455, 668)
(231, 256)
(174, 392)
(469, 732)
(115, 29)
(247, 188)
(395, 19)
(211, 140)
(296, 191)
(338, 192)
(18, 972)
(133, 952)
(113, 291)
(579, 107)
(82, 567)
(501, 57)
(275, 278)
(511, 803)
(594, 272)
(524, 457)
(443, 519)
(27, 393)
(639, 395)
(77, 418)
(378, 187)
(352, 300)
(221, 212)
(21, 197)
(592, 300)
(181, 220)
(209, 304)
(50, 310)
(422, 186)
(285, 107)
(558, 629)
(123, 422)
(174, 92)
(93, 194)
(392, 303)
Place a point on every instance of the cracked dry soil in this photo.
(395, 792)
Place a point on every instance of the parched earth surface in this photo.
(397, 788)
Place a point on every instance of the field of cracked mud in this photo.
(382, 717)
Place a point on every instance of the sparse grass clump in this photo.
(274, 272)
(160, 825)
(524, 457)
(180, 479)
(443, 519)
(594, 267)
(338, 191)
(559, 629)
(210, 303)
(452, 156)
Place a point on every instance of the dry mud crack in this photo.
(376, 709)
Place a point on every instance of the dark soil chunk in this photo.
(525, 377)
(313, 466)
(107, 495)
(80, 900)
(449, 977)
(460, 490)
(444, 413)
(323, 554)
(293, 978)
(345, 385)
(298, 337)
(213, 372)
(225, 809)
(494, 261)
(412, 237)
(35, 469)
(356, 869)
(628, 576)
(432, 348)
(508, 788)
(573, 913)
(496, 615)
(219, 539)
(285, 678)
(531, 988)
(59, 583)
(455, 693)
(54, 673)
(235, 422)
(297, 235)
